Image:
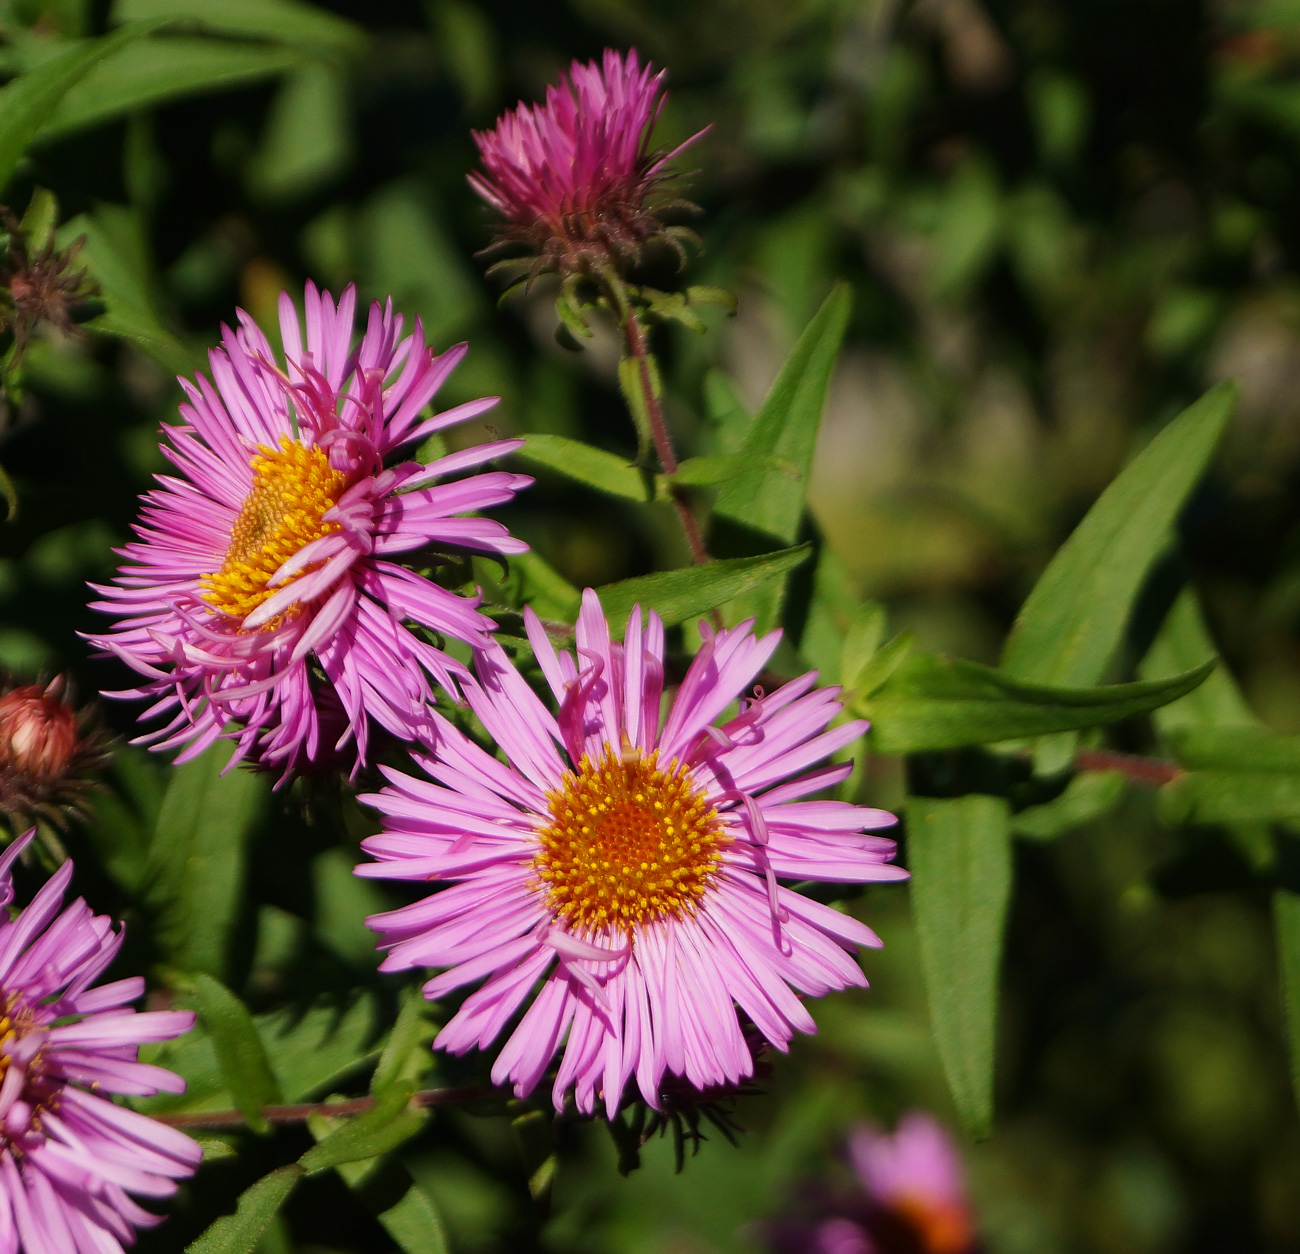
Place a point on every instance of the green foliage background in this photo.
(1059, 222)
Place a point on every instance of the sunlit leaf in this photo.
(679, 595)
(1071, 623)
(930, 702)
(593, 467)
(386, 1125)
(959, 852)
(769, 498)
(257, 1206)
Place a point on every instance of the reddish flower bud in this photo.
(46, 748)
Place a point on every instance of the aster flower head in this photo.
(910, 1199)
(264, 589)
(625, 863)
(573, 179)
(48, 746)
(69, 1156)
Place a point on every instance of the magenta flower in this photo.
(911, 1199)
(571, 178)
(262, 598)
(629, 863)
(69, 1156)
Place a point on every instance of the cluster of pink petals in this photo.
(664, 998)
(584, 154)
(70, 1157)
(301, 674)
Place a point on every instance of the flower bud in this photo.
(45, 752)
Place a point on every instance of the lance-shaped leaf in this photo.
(284, 21)
(770, 499)
(28, 101)
(1068, 628)
(257, 1206)
(765, 504)
(197, 856)
(386, 1125)
(1182, 643)
(593, 467)
(157, 70)
(245, 1068)
(959, 853)
(679, 595)
(929, 702)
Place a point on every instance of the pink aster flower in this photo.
(911, 1199)
(265, 589)
(571, 178)
(69, 1156)
(621, 867)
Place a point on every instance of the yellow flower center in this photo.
(293, 488)
(627, 843)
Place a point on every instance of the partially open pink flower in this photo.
(573, 178)
(69, 1156)
(621, 868)
(262, 598)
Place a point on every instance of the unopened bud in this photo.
(38, 731)
(45, 752)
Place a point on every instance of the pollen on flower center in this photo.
(627, 843)
(293, 488)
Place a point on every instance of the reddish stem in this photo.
(214, 1120)
(639, 351)
(1140, 770)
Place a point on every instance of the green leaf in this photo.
(407, 1042)
(257, 1206)
(386, 1125)
(606, 472)
(241, 1056)
(833, 611)
(27, 102)
(1184, 642)
(960, 857)
(157, 70)
(770, 500)
(1230, 797)
(945, 703)
(1089, 796)
(308, 138)
(708, 472)
(117, 255)
(679, 595)
(343, 903)
(1286, 923)
(1070, 625)
(415, 1224)
(197, 856)
(313, 1050)
(282, 21)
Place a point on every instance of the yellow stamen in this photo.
(293, 487)
(627, 843)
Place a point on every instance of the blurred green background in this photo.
(1061, 220)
